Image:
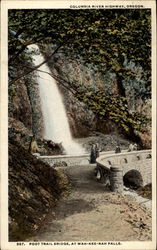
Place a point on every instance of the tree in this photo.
(103, 38)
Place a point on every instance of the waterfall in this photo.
(56, 126)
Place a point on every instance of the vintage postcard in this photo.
(78, 125)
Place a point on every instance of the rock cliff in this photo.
(82, 120)
(24, 100)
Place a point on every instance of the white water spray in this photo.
(55, 119)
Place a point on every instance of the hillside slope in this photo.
(34, 188)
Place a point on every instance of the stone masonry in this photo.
(118, 165)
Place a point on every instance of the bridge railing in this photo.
(121, 158)
(70, 160)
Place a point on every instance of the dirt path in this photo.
(93, 213)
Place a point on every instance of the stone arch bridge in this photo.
(113, 168)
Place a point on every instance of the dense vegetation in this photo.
(107, 40)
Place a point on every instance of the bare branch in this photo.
(38, 66)
(61, 81)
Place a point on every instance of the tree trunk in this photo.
(120, 87)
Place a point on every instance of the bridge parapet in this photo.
(70, 160)
(122, 163)
(123, 158)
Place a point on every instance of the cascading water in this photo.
(55, 119)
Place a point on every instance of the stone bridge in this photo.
(116, 168)
(112, 168)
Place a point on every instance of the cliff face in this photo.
(21, 106)
(24, 104)
(34, 188)
(82, 120)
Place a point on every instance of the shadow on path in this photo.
(83, 179)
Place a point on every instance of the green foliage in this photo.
(103, 38)
(111, 107)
